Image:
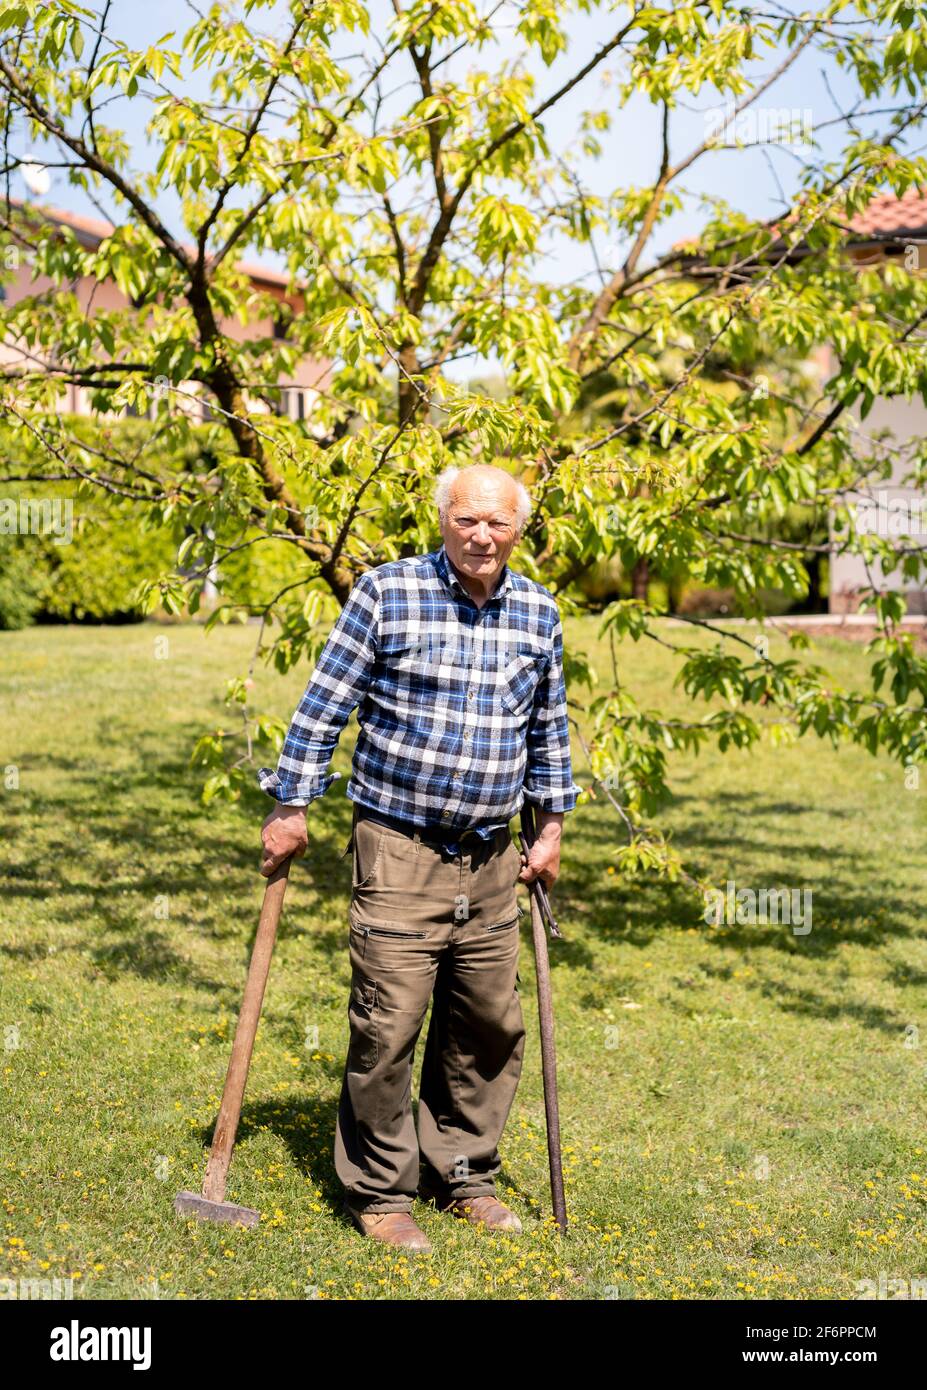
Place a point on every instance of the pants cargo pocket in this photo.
(509, 920)
(363, 1016)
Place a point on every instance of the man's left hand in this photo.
(543, 862)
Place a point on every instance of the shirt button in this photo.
(445, 814)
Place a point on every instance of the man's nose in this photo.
(482, 534)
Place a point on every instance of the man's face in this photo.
(478, 530)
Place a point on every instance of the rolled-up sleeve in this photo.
(549, 781)
(336, 686)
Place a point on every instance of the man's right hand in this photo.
(283, 834)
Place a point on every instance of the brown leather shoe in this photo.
(392, 1227)
(484, 1211)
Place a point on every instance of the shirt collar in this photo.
(446, 571)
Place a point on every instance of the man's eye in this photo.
(493, 525)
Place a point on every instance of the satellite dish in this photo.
(36, 177)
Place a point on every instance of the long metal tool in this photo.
(211, 1204)
(540, 912)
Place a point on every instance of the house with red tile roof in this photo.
(888, 222)
(297, 395)
(889, 228)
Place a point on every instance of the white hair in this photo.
(444, 486)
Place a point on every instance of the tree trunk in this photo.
(640, 579)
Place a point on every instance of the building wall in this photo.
(94, 296)
(906, 419)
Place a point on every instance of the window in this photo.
(292, 402)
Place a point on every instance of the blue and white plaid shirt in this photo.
(462, 710)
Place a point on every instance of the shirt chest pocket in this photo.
(520, 679)
(414, 656)
(431, 657)
(413, 661)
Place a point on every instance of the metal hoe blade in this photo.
(194, 1204)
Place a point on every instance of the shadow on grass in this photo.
(851, 905)
(112, 847)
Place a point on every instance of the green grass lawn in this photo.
(742, 1108)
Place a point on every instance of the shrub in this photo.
(21, 583)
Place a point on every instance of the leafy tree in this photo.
(412, 179)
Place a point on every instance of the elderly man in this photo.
(455, 663)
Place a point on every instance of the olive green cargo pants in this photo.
(425, 926)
